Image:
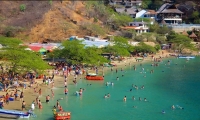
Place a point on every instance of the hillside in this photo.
(44, 20)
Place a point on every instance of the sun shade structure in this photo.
(42, 50)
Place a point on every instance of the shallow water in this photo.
(174, 84)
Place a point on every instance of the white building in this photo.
(139, 27)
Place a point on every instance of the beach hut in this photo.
(35, 48)
(42, 50)
(193, 36)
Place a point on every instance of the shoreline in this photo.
(29, 94)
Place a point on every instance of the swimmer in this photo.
(140, 99)
(163, 112)
(117, 78)
(133, 98)
(173, 107)
(124, 98)
(108, 95)
(179, 107)
(145, 99)
(105, 96)
(131, 90)
(122, 75)
(134, 106)
(112, 83)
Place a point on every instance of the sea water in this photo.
(173, 83)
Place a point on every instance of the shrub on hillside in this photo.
(22, 7)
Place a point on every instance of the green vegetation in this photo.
(50, 2)
(180, 42)
(22, 7)
(19, 59)
(120, 47)
(76, 53)
(11, 31)
(144, 48)
(94, 28)
(97, 9)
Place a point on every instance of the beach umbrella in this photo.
(35, 48)
(28, 49)
(42, 50)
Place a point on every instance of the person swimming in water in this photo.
(105, 96)
(163, 112)
(124, 98)
(133, 98)
(173, 107)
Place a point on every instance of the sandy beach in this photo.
(30, 95)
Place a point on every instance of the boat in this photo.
(20, 114)
(62, 115)
(187, 57)
(93, 76)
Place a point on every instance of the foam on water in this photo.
(175, 84)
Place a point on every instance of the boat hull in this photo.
(187, 57)
(94, 78)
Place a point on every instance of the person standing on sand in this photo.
(52, 85)
(7, 98)
(65, 83)
(52, 93)
(23, 105)
(21, 96)
(16, 95)
(40, 92)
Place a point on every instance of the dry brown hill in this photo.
(44, 20)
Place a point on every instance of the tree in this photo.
(77, 53)
(144, 48)
(120, 47)
(19, 59)
(10, 42)
(181, 42)
(160, 39)
(163, 30)
(144, 5)
(154, 27)
(195, 15)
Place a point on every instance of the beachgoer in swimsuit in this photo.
(21, 96)
(40, 92)
(66, 91)
(23, 105)
(40, 105)
(47, 99)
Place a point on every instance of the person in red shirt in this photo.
(7, 98)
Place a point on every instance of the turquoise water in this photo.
(174, 84)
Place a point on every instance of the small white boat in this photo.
(20, 114)
(187, 57)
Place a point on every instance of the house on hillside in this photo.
(139, 27)
(129, 11)
(169, 14)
